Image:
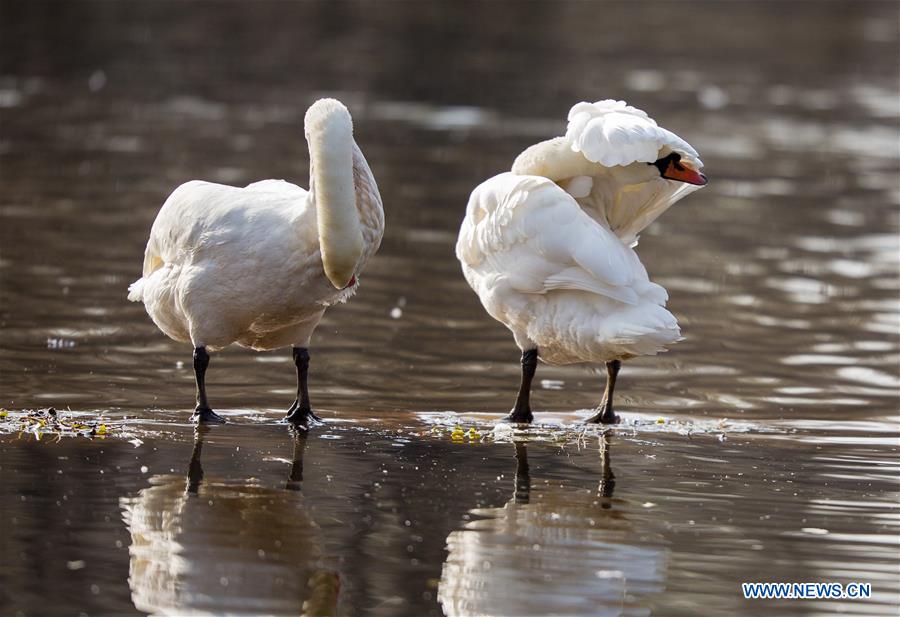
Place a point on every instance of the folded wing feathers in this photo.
(539, 236)
(612, 133)
(580, 280)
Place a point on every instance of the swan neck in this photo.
(331, 147)
(553, 159)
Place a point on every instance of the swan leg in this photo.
(522, 411)
(605, 413)
(300, 411)
(202, 412)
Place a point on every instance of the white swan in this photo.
(259, 265)
(548, 248)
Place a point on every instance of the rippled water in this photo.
(761, 448)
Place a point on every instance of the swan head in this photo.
(671, 167)
(329, 131)
(327, 115)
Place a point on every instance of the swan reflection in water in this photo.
(213, 547)
(551, 550)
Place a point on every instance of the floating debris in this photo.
(42, 423)
(563, 432)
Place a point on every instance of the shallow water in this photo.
(761, 448)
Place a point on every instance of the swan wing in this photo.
(604, 162)
(534, 235)
(614, 133)
(277, 186)
(182, 223)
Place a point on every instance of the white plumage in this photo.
(548, 247)
(614, 133)
(259, 265)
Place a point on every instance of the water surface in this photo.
(776, 458)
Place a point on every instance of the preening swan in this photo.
(549, 247)
(259, 265)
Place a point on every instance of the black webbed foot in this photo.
(604, 416)
(205, 415)
(301, 416)
(519, 416)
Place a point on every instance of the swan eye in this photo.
(663, 163)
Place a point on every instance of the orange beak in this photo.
(677, 171)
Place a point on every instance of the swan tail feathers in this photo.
(152, 263)
(580, 280)
(648, 335)
(136, 291)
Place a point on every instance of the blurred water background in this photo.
(776, 458)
